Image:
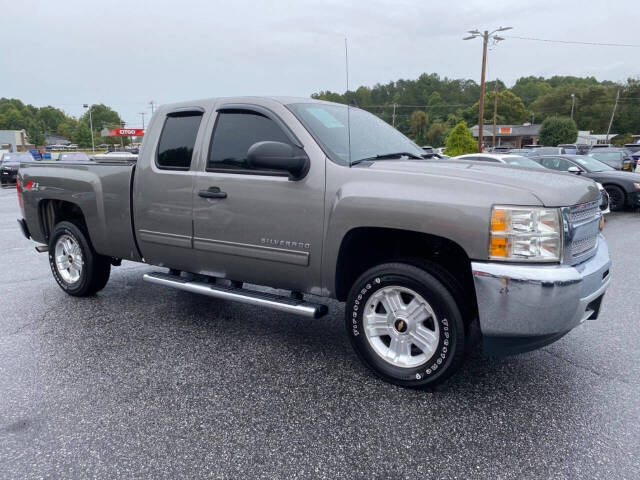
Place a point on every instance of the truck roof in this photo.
(260, 100)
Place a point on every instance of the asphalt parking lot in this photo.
(141, 381)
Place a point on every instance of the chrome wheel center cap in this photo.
(401, 325)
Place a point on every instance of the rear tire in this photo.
(617, 197)
(421, 341)
(75, 265)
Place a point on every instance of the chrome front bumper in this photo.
(538, 301)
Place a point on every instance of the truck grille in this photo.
(584, 228)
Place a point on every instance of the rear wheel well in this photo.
(365, 247)
(52, 212)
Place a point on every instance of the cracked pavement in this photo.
(140, 381)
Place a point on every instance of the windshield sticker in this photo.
(325, 117)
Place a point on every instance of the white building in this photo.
(14, 140)
(588, 138)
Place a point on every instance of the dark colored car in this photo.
(73, 157)
(617, 158)
(575, 148)
(623, 188)
(632, 147)
(9, 165)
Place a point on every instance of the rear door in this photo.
(263, 228)
(163, 190)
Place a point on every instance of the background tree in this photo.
(82, 135)
(555, 131)
(510, 109)
(102, 116)
(419, 125)
(460, 141)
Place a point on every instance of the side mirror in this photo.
(280, 157)
(574, 170)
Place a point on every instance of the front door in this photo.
(251, 225)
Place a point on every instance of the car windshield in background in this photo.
(368, 137)
(607, 156)
(590, 164)
(519, 161)
(73, 157)
(16, 157)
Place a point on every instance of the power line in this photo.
(574, 42)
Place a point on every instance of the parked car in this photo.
(428, 148)
(73, 157)
(614, 157)
(575, 148)
(623, 188)
(269, 191)
(9, 165)
(506, 158)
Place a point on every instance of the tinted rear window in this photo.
(177, 140)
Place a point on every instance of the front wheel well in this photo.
(365, 247)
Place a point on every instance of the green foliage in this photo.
(530, 88)
(82, 135)
(419, 126)
(102, 116)
(510, 109)
(555, 131)
(460, 141)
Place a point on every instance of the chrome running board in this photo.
(242, 295)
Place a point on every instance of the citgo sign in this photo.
(126, 132)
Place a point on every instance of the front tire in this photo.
(405, 325)
(75, 265)
(617, 197)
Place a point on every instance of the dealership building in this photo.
(513, 136)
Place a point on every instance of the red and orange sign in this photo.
(126, 132)
(504, 130)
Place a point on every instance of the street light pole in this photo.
(573, 103)
(486, 36)
(93, 143)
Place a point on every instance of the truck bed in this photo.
(101, 190)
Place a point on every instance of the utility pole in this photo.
(486, 36)
(495, 111)
(142, 114)
(613, 112)
(573, 103)
(393, 116)
(485, 41)
(152, 106)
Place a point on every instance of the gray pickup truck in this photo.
(327, 200)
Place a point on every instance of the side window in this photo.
(485, 159)
(234, 133)
(556, 163)
(177, 140)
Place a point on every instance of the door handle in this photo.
(212, 192)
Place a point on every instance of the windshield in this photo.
(520, 161)
(370, 136)
(73, 157)
(590, 164)
(607, 156)
(16, 157)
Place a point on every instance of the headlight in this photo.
(531, 234)
(637, 186)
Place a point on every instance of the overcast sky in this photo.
(125, 53)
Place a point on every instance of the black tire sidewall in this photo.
(617, 192)
(450, 348)
(83, 285)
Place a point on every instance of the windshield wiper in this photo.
(387, 156)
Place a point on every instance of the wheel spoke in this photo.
(416, 311)
(392, 302)
(425, 339)
(399, 350)
(377, 325)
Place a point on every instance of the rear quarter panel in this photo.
(101, 191)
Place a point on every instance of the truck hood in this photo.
(551, 188)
